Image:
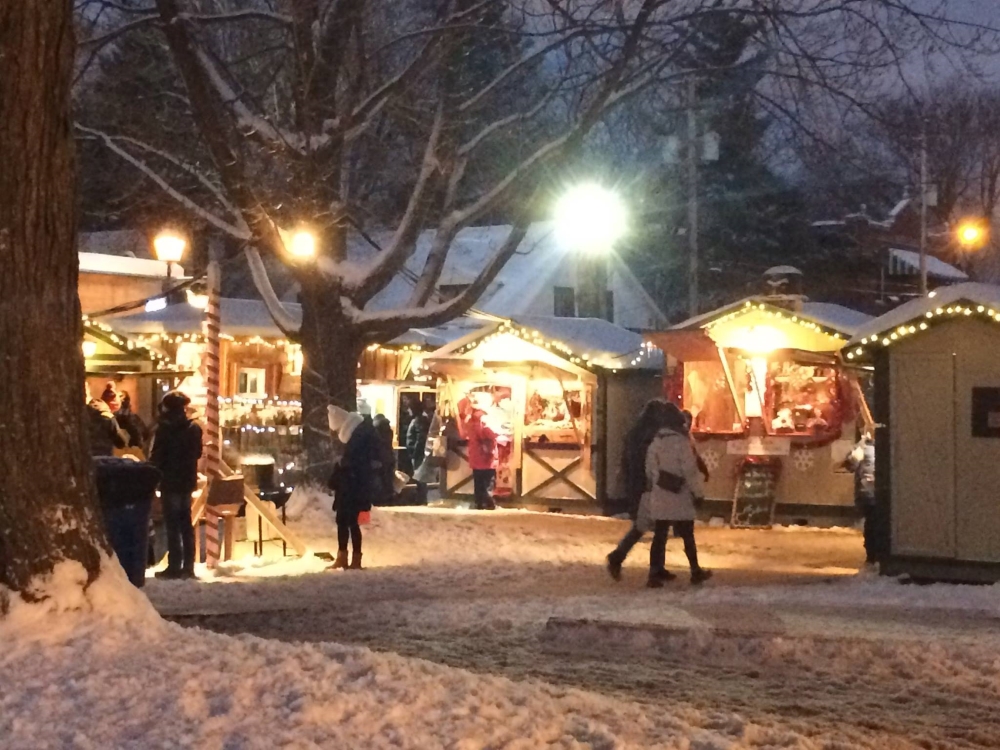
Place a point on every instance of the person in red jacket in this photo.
(482, 459)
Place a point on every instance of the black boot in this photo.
(614, 567)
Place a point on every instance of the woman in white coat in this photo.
(675, 483)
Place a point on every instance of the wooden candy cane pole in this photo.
(212, 440)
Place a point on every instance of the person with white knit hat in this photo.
(356, 480)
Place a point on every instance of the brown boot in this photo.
(341, 562)
(356, 561)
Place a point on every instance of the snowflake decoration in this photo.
(712, 459)
(803, 459)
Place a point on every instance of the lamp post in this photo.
(590, 219)
(169, 248)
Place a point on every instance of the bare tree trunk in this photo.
(333, 348)
(47, 509)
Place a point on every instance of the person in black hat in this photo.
(175, 452)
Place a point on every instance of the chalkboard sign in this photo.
(756, 490)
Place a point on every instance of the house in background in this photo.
(542, 278)
(873, 264)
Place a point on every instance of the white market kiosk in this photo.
(937, 401)
(561, 392)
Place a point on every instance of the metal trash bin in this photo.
(125, 488)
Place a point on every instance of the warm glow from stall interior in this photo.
(757, 369)
(199, 301)
(762, 340)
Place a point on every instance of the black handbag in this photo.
(670, 482)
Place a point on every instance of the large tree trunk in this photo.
(47, 509)
(331, 350)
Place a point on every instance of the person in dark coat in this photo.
(175, 452)
(131, 422)
(387, 459)
(357, 480)
(861, 461)
(416, 443)
(105, 433)
(633, 473)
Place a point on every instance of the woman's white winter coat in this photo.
(670, 452)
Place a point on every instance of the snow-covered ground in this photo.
(521, 641)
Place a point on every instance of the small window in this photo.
(252, 382)
(450, 291)
(564, 302)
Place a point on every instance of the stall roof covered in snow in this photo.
(121, 265)
(239, 317)
(840, 318)
(593, 341)
(908, 261)
(959, 297)
(837, 318)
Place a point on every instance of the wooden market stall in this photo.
(560, 393)
(936, 362)
(775, 411)
(143, 372)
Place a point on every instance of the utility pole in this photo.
(923, 206)
(693, 156)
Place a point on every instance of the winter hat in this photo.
(342, 423)
(175, 402)
(110, 397)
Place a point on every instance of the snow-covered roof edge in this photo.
(969, 296)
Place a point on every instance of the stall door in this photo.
(923, 454)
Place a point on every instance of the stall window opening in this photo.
(252, 382)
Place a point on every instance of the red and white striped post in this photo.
(212, 446)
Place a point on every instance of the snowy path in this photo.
(784, 637)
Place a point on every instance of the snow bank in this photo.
(127, 684)
(63, 594)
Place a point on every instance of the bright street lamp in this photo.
(590, 218)
(169, 248)
(302, 244)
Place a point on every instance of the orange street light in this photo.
(971, 234)
(169, 248)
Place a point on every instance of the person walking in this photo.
(356, 481)
(416, 444)
(482, 459)
(675, 484)
(633, 475)
(175, 452)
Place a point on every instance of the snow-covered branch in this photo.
(395, 322)
(391, 261)
(238, 230)
(287, 322)
(246, 118)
